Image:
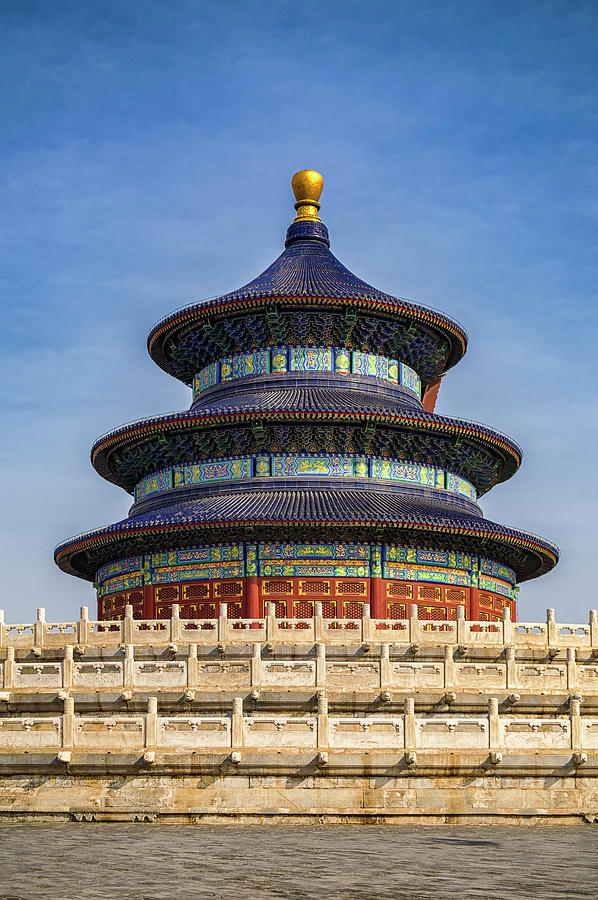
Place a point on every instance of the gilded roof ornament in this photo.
(307, 187)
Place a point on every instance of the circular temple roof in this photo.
(307, 278)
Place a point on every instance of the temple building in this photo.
(311, 465)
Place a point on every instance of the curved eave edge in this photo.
(106, 445)
(195, 312)
(547, 553)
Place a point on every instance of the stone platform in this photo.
(299, 720)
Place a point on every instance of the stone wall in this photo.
(310, 719)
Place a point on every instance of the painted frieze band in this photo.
(304, 464)
(224, 561)
(276, 360)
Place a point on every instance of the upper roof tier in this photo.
(306, 298)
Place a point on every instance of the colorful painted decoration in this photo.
(397, 470)
(299, 465)
(220, 561)
(219, 470)
(306, 359)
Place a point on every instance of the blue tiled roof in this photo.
(295, 508)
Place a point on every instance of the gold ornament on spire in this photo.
(307, 187)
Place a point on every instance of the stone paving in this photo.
(154, 862)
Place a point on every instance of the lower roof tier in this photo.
(307, 516)
(312, 421)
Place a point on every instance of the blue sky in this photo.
(147, 148)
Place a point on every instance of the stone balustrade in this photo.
(300, 717)
(239, 729)
(85, 633)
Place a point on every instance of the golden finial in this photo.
(307, 187)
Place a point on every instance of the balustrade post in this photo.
(256, 666)
(323, 722)
(271, 622)
(129, 668)
(83, 627)
(385, 667)
(68, 724)
(318, 622)
(449, 666)
(507, 635)
(151, 723)
(493, 725)
(128, 624)
(511, 666)
(175, 625)
(9, 668)
(320, 665)
(223, 623)
(593, 629)
(461, 636)
(67, 667)
(237, 723)
(366, 623)
(39, 628)
(409, 729)
(414, 626)
(571, 669)
(551, 628)
(2, 628)
(192, 667)
(576, 731)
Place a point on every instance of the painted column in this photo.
(252, 593)
(377, 598)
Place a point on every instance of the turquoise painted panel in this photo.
(152, 484)
(310, 359)
(314, 551)
(498, 570)
(219, 470)
(206, 378)
(280, 359)
(119, 568)
(396, 470)
(410, 379)
(458, 485)
(312, 465)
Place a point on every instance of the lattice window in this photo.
(329, 609)
(163, 610)
(357, 588)
(432, 613)
(135, 597)
(196, 591)
(428, 592)
(498, 603)
(280, 608)
(485, 600)
(399, 589)
(119, 601)
(168, 592)
(206, 610)
(484, 616)
(353, 609)
(454, 595)
(452, 613)
(314, 587)
(229, 588)
(396, 611)
(188, 611)
(277, 587)
(138, 612)
(233, 610)
(303, 609)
